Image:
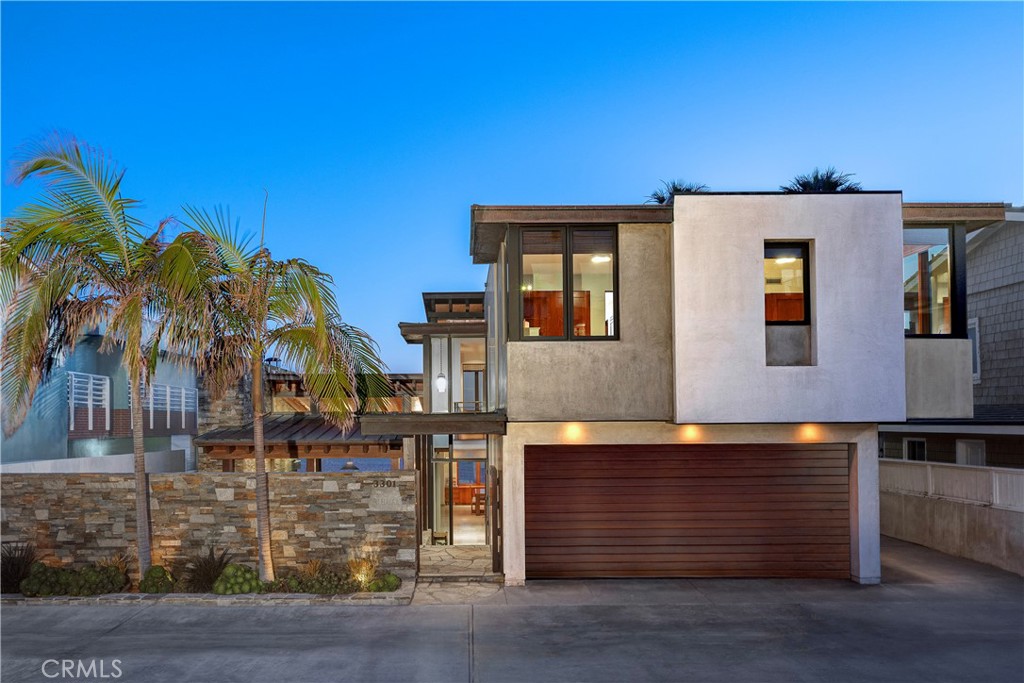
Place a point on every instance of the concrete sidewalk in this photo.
(936, 618)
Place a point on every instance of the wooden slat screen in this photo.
(672, 510)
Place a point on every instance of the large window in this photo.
(562, 265)
(933, 282)
(786, 283)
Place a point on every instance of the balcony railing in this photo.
(165, 402)
(91, 392)
(995, 486)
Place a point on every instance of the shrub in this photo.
(156, 580)
(237, 579)
(202, 571)
(384, 584)
(15, 562)
(92, 580)
(122, 562)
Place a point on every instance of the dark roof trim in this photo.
(489, 223)
(408, 424)
(413, 333)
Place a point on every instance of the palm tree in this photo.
(669, 188)
(829, 180)
(76, 259)
(286, 308)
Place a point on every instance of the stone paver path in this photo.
(455, 560)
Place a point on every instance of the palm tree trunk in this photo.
(142, 529)
(266, 560)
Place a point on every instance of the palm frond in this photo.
(829, 180)
(669, 188)
(85, 174)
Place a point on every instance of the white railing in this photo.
(91, 392)
(167, 400)
(995, 486)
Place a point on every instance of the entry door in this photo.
(458, 492)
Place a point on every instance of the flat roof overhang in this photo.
(973, 215)
(409, 424)
(489, 223)
(413, 333)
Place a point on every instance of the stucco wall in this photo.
(939, 378)
(629, 379)
(81, 518)
(865, 560)
(978, 532)
(721, 375)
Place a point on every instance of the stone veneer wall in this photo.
(234, 409)
(76, 519)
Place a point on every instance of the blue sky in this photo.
(375, 126)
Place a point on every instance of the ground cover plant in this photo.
(44, 581)
(156, 580)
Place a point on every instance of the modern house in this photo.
(954, 480)
(708, 403)
(80, 419)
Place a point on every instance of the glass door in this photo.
(458, 489)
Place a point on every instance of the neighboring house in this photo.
(707, 404)
(82, 412)
(296, 438)
(955, 482)
(994, 434)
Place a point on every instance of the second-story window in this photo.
(934, 282)
(566, 284)
(786, 283)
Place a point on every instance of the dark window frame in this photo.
(514, 256)
(957, 281)
(805, 254)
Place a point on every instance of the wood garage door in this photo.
(687, 510)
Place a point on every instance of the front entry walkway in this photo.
(456, 561)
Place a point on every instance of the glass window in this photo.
(915, 449)
(972, 334)
(786, 279)
(593, 283)
(926, 281)
(542, 284)
(563, 265)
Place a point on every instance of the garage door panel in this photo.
(627, 520)
(567, 486)
(682, 510)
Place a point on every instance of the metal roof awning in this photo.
(298, 429)
(409, 424)
(413, 333)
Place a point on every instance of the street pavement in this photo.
(935, 618)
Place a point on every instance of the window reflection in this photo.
(926, 281)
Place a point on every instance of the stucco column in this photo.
(865, 542)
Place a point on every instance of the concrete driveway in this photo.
(936, 618)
